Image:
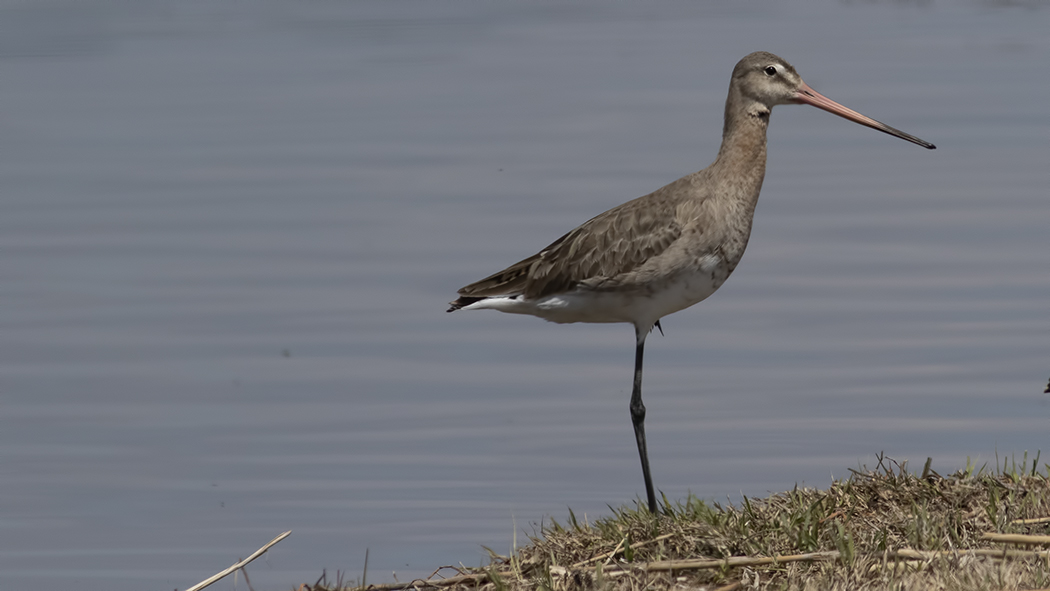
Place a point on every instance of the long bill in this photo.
(807, 95)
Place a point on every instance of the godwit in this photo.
(670, 249)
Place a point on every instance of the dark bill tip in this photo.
(808, 96)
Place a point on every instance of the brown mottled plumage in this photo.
(606, 246)
(665, 251)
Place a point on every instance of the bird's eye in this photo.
(771, 70)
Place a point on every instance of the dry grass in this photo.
(885, 528)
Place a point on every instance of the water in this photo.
(229, 230)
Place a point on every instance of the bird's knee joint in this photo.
(637, 410)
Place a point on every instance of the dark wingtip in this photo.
(462, 302)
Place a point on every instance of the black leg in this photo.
(638, 418)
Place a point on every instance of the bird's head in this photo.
(766, 79)
(762, 80)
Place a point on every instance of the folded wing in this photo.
(610, 244)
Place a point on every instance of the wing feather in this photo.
(609, 244)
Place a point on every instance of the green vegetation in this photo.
(885, 528)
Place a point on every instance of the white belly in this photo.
(639, 305)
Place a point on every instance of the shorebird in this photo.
(670, 249)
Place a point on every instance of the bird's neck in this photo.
(741, 163)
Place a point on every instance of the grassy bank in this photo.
(882, 528)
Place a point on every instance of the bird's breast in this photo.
(692, 284)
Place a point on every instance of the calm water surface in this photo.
(228, 232)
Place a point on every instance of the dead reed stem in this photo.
(238, 565)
